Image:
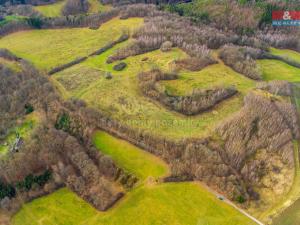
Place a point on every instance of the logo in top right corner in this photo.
(286, 18)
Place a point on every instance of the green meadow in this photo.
(141, 163)
(286, 53)
(165, 204)
(277, 70)
(10, 18)
(47, 49)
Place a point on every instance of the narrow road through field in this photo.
(233, 205)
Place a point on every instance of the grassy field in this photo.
(24, 128)
(49, 48)
(286, 53)
(164, 204)
(129, 157)
(185, 203)
(217, 75)
(120, 97)
(277, 70)
(51, 10)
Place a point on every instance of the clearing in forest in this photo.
(23, 129)
(141, 163)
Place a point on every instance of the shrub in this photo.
(240, 199)
(63, 122)
(6, 190)
(108, 75)
(30, 180)
(35, 22)
(28, 108)
(120, 66)
(166, 46)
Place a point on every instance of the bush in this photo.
(28, 109)
(35, 22)
(31, 180)
(120, 66)
(108, 75)
(63, 122)
(166, 46)
(240, 199)
(6, 190)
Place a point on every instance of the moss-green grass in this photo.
(277, 70)
(286, 53)
(24, 129)
(168, 204)
(10, 18)
(120, 97)
(51, 10)
(49, 48)
(217, 75)
(130, 157)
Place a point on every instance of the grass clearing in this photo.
(169, 204)
(47, 49)
(120, 97)
(217, 75)
(130, 157)
(286, 53)
(51, 10)
(277, 70)
(10, 18)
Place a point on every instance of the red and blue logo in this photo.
(286, 18)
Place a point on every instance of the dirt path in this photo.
(232, 204)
